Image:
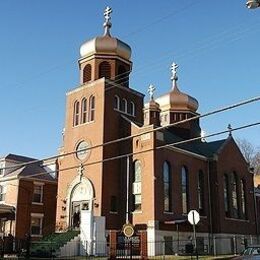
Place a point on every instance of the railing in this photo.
(155, 250)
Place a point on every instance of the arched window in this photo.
(124, 105)
(122, 75)
(104, 70)
(116, 102)
(234, 195)
(76, 113)
(243, 199)
(167, 186)
(87, 73)
(132, 108)
(84, 111)
(184, 189)
(226, 196)
(201, 195)
(137, 186)
(91, 108)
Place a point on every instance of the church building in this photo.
(153, 179)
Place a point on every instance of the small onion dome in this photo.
(105, 45)
(152, 105)
(177, 100)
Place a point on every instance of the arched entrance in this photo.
(80, 197)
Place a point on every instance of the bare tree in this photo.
(251, 154)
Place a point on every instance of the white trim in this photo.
(37, 215)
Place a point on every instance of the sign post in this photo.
(194, 218)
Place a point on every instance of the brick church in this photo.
(142, 179)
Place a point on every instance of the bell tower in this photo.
(105, 56)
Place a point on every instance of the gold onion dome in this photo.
(175, 99)
(106, 44)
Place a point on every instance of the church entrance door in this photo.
(76, 208)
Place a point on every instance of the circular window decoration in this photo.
(81, 152)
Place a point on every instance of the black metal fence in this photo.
(155, 250)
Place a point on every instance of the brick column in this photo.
(143, 242)
(112, 244)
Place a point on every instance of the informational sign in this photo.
(193, 217)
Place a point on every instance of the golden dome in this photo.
(175, 99)
(106, 44)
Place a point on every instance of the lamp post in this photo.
(253, 4)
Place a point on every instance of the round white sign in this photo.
(193, 217)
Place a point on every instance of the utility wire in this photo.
(147, 150)
(226, 108)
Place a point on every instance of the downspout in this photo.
(210, 210)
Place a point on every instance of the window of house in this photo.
(87, 73)
(124, 105)
(137, 189)
(184, 189)
(91, 108)
(132, 109)
(2, 192)
(226, 196)
(201, 192)
(117, 102)
(122, 77)
(105, 70)
(243, 199)
(76, 113)
(113, 204)
(38, 193)
(234, 195)
(1, 168)
(84, 111)
(167, 186)
(36, 224)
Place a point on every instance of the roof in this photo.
(22, 170)
(207, 149)
(19, 158)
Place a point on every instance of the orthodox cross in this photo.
(81, 171)
(174, 76)
(151, 90)
(107, 24)
(229, 129)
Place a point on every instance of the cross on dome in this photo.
(174, 76)
(151, 90)
(107, 24)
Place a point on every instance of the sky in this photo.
(215, 44)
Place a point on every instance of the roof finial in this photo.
(174, 76)
(107, 24)
(229, 129)
(151, 90)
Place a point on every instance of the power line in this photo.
(226, 108)
(148, 150)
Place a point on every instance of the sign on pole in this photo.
(193, 217)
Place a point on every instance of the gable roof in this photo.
(34, 170)
(207, 149)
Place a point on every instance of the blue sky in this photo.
(215, 43)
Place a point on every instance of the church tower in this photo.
(98, 111)
(177, 106)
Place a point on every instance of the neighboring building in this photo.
(212, 177)
(27, 197)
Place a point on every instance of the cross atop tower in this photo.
(174, 76)
(151, 90)
(107, 24)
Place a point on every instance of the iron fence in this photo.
(103, 250)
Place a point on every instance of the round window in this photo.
(81, 152)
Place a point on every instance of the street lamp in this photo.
(253, 4)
